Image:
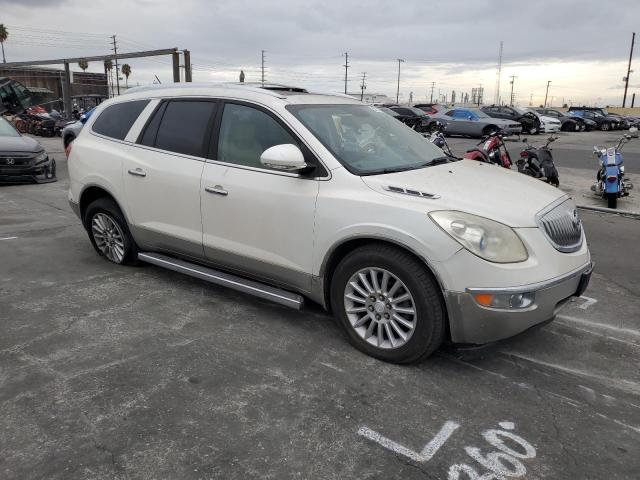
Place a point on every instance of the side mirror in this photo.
(470, 117)
(83, 119)
(285, 157)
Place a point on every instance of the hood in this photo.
(474, 187)
(546, 119)
(19, 144)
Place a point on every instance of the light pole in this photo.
(546, 94)
(400, 60)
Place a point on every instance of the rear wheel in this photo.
(533, 130)
(612, 200)
(388, 304)
(109, 233)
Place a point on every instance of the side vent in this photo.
(413, 193)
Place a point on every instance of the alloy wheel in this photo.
(108, 237)
(380, 308)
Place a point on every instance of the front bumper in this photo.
(472, 323)
(28, 172)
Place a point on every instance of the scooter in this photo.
(493, 151)
(610, 181)
(537, 162)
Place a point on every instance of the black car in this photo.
(420, 121)
(22, 159)
(568, 124)
(530, 122)
(604, 122)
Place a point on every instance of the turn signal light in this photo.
(524, 154)
(505, 300)
(484, 299)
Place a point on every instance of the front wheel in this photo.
(612, 200)
(109, 233)
(533, 130)
(605, 127)
(388, 303)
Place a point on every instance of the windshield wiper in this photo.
(415, 166)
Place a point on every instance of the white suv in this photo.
(287, 194)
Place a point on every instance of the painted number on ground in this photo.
(501, 464)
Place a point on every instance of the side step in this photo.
(257, 289)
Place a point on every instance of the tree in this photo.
(108, 67)
(126, 71)
(4, 34)
(83, 64)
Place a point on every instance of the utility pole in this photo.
(187, 65)
(433, 86)
(115, 52)
(546, 94)
(530, 99)
(363, 86)
(513, 79)
(633, 99)
(346, 69)
(400, 60)
(626, 79)
(498, 73)
(262, 81)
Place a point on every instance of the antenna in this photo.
(498, 73)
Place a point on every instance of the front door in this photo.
(162, 177)
(257, 221)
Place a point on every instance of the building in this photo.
(45, 86)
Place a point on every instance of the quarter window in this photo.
(185, 127)
(246, 132)
(116, 120)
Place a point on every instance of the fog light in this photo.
(505, 300)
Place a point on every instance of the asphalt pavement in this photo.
(111, 372)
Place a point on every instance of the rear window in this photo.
(116, 120)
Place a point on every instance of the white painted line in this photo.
(8, 238)
(611, 328)
(427, 453)
(588, 302)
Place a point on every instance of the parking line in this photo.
(8, 238)
(626, 331)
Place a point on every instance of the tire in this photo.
(605, 127)
(612, 200)
(489, 130)
(104, 220)
(533, 130)
(424, 329)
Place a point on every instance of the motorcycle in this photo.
(435, 132)
(493, 151)
(610, 181)
(537, 162)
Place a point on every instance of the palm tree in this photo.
(126, 71)
(108, 67)
(83, 64)
(4, 34)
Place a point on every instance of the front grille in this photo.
(562, 226)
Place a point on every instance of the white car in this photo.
(549, 124)
(287, 194)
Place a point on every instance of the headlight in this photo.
(485, 238)
(41, 157)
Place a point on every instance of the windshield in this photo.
(417, 111)
(7, 130)
(365, 139)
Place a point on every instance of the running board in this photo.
(256, 289)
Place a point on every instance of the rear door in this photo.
(162, 177)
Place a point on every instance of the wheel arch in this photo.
(67, 139)
(487, 128)
(343, 248)
(93, 192)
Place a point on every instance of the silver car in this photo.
(474, 122)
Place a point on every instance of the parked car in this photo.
(567, 123)
(421, 120)
(71, 131)
(530, 122)
(431, 108)
(603, 122)
(474, 123)
(23, 159)
(287, 195)
(623, 122)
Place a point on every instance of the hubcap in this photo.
(108, 237)
(380, 308)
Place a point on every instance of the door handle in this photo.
(138, 172)
(218, 190)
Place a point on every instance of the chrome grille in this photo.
(562, 226)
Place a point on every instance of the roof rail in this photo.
(268, 88)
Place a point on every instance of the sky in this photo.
(581, 46)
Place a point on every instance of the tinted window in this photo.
(246, 132)
(116, 120)
(462, 114)
(184, 127)
(151, 130)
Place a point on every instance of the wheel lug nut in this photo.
(381, 297)
(370, 308)
(377, 317)
(373, 299)
(386, 315)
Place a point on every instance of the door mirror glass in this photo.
(285, 157)
(470, 117)
(83, 119)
